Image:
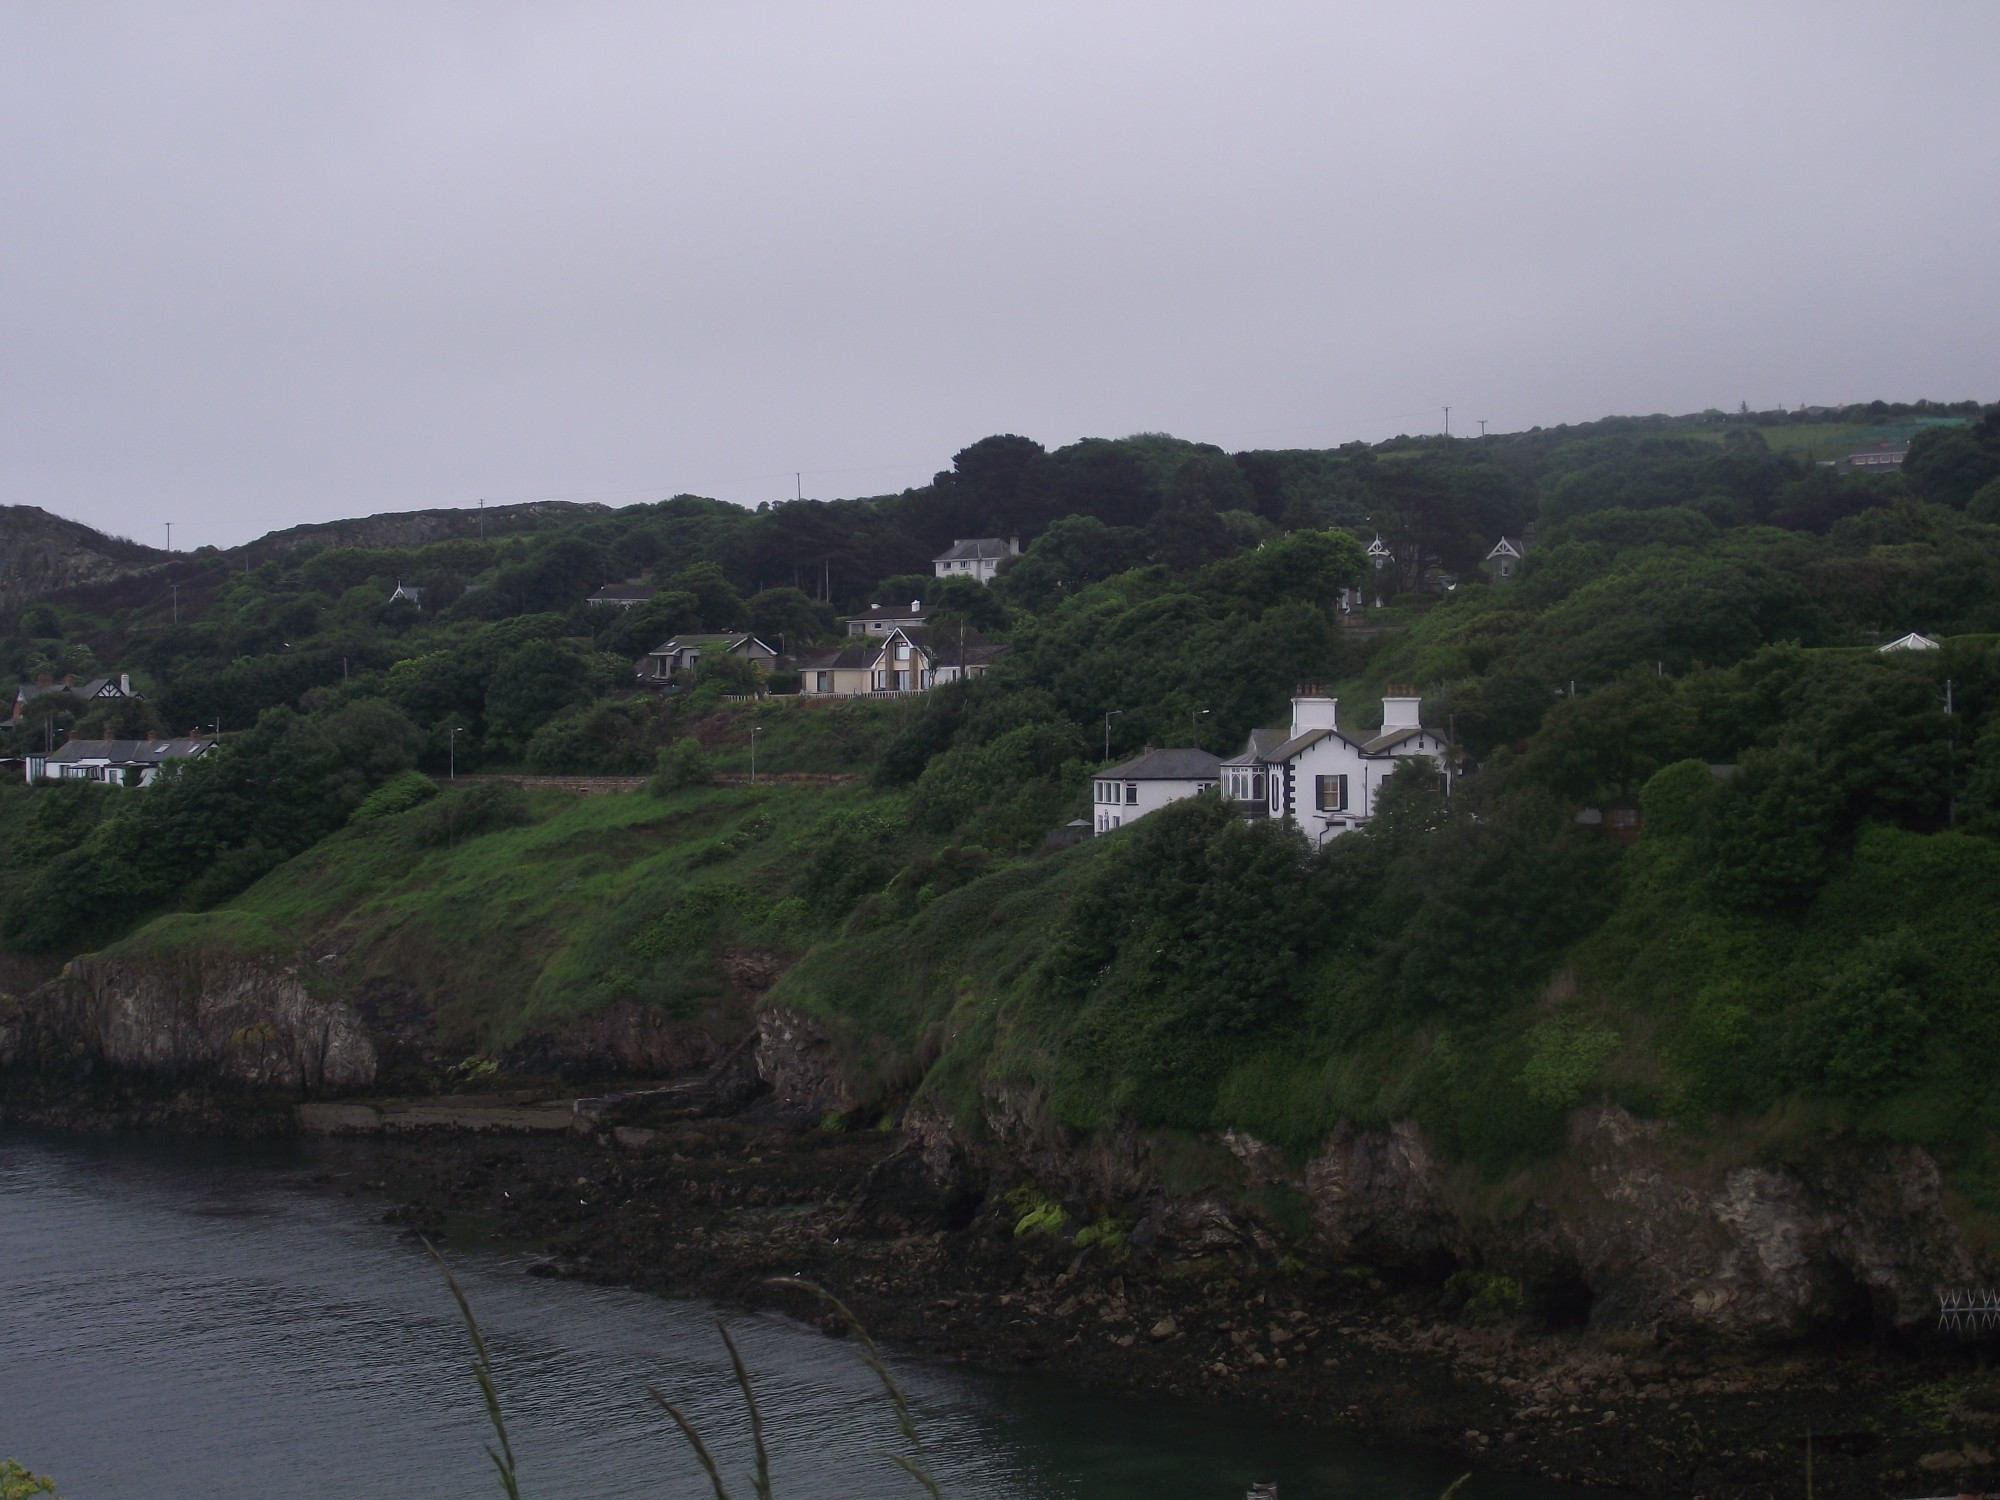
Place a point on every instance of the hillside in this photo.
(1478, 1036)
(42, 553)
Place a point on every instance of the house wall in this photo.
(1365, 775)
(1146, 797)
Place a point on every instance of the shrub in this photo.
(400, 793)
(481, 808)
(681, 764)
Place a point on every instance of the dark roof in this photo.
(682, 642)
(1263, 745)
(1294, 745)
(1387, 738)
(1168, 765)
(849, 656)
(880, 614)
(978, 547)
(129, 752)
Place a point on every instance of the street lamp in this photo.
(1107, 730)
(755, 730)
(451, 751)
(1193, 715)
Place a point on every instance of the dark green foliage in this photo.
(400, 793)
(607, 737)
(467, 812)
(681, 764)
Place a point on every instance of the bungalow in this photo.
(879, 621)
(1149, 783)
(627, 595)
(977, 557)
(838, 674)
(1321, 778)
(684, 653)
(95, 689)
(1884, 457)
(114, 762)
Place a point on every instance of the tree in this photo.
(787, 615)
(717, 603)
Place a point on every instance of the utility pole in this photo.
(755, 730)
(1447, 421)
(177, 601)
(798, 485)
(1193, 735)
(1482, 427)
(451, 747)
(482, 520)
(1107, 730)
(170, 536)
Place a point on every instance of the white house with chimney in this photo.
(1148, 783)
(1320, 777)
(976, 557)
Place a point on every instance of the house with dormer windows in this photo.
(1318, 776)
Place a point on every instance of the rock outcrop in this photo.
(244, 1020)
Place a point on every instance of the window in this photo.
(1131, 791)
(1330, 793)
(902, 651)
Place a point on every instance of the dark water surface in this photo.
(189, 1319)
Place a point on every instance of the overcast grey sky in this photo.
(263, 263)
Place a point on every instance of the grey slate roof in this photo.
(1263, 746)
(981, 548)
(129, 752)
(849, 656)
(1387, 738)
(1168, 765)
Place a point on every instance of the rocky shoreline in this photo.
(720, 1189)
(731, 1209)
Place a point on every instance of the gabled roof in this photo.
(1379, 548)
(728, 641)
(1263, 746)
(1911, 642)
(859, 658)
(129, 752)
(1508, 546)
(1387, 738)
(1168, 765)
(978, 548)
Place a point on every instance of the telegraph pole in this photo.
(170, 536)
(1107, 730)
(1447, 421)
(177, 601)
(1482, 427)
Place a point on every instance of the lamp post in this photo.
(1107, 730)
(755, 730)
(451, 752)
(1195, 714)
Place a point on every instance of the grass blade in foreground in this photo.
(482, 1369)
(872, 1357)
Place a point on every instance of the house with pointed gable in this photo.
(1322, 778)
(1504, 561)
(684, 653)
(96, 689)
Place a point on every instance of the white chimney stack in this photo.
(1401, 713)
(1312, 710)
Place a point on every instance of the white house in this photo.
(407, 594)
(976, 557)
(1911, 642)
(114, 762)
(1149, 783)
(880, 620)
(1324, 779)
(1504, 561)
